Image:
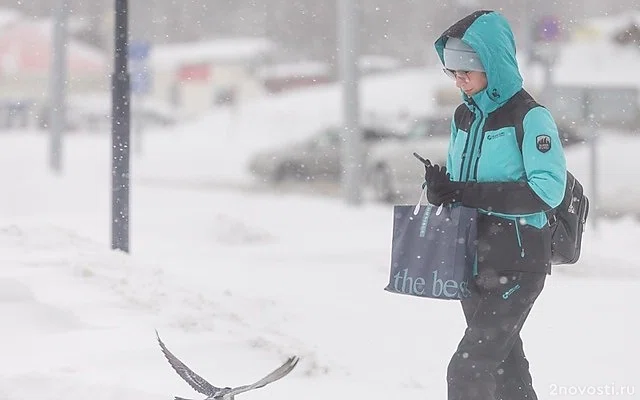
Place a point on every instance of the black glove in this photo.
(440, 188)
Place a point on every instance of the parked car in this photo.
(318, 157)
(394, 174)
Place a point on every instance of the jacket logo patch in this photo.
(495, 135)
(543, 143)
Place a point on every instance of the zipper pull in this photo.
(470, 102)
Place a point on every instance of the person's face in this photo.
(470, 82)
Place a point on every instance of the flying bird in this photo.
(200, 385)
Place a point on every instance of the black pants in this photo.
(489, 363)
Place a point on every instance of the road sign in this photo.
(139, 51)
(141, 77)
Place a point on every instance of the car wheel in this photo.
(381, 183)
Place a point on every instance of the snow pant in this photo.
(489, 363)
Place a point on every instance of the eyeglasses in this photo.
(464, 75)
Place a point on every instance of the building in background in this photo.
(279, 77)
(198, 76)
(25, 66)
(587, 78)
(208, 53)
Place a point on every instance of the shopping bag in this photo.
(433, 250)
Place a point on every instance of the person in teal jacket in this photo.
(506, 160)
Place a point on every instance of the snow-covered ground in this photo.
(235, 281)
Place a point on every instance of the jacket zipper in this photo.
(475, 138)
(516, 223)
(475, 168)
(466, 148)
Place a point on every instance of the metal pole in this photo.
(58, 79)
(120, 131)
(593, 198)
(527, 37)
(351, 150)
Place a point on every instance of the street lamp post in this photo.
(351, 152)
(120, 130)
(57, 95)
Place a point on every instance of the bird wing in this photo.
(276, 374)
(198, 383)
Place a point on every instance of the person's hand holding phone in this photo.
(423, 160)
(440, 188)
(428, 168)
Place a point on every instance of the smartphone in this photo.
(422, 159)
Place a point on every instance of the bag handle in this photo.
(423, 194)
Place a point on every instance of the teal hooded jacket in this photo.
(503, 143)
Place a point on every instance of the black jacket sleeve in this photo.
(503, 197)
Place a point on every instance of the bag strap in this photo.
(423, 195)
(521, 108)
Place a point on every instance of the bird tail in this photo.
(180, 398)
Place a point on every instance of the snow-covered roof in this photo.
(599, 62)
(593, 58)
(169, 56)
(300, 70)
(610, 25)
(303, 69)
